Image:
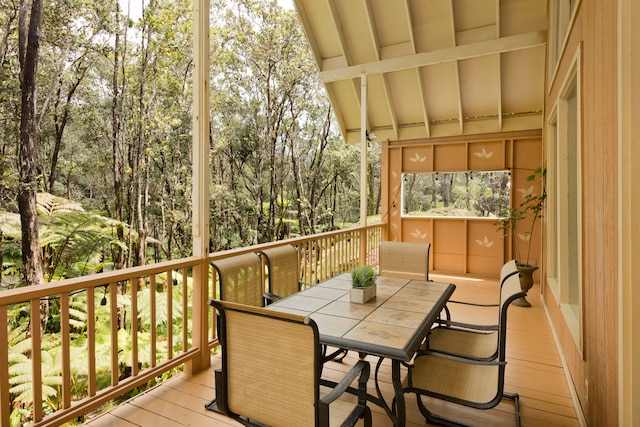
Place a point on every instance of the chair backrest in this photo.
(270, 365)
(509, 292)
(405, 259)
(508, 269)
(241, 279)
(283, 272)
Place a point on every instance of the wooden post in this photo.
(200, 201)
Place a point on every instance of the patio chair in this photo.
(404, 259)
(477, 342)
(473, 383)
(283, 272)
(508, 269)
(241, 279)
(280, 385)
(283, 279)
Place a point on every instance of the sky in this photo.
(136, 6)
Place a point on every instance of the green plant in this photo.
(530, 208)
(363, 277)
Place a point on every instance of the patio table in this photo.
(392, 325)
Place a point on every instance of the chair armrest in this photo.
(361, 368)
(269, 297)
(473, 303)
(462, 359)
(470, 326)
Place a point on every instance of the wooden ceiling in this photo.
(435, 68)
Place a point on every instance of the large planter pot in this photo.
(526, 282)
(362, 295)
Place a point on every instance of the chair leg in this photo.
(432, 418)
(336, 356)
(516, 402)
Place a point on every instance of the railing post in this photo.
(364, 243)
(200, 198)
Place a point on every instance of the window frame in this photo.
(564, 213)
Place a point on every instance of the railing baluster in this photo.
(185, 313)
(169, 314)
(153, 339)
(5, 408)
(36, 359)
(134, 285)
(65, 342)
(115, 326)
(91, 342)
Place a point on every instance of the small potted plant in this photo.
(363, 284)
(530, 208)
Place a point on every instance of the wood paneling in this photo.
(595, 33)
(461, 245)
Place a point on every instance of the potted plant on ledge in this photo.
(363, 284)
(531, 208)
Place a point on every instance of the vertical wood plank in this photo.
(65, 342)
(36, 359)
(91, 342)
(152, 319)
(115, 326)
(5, 408)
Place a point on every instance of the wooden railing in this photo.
(61, 375)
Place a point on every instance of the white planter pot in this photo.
(362, 295)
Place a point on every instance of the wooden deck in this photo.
(534, 371)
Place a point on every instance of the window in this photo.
(562, 14)
(465, 194)
(564, 216)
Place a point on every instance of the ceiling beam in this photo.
(474, 50)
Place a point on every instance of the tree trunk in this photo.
(29, 37)
(115, 139)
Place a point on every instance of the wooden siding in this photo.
(457, 242)
(594, 32)
(534, 371)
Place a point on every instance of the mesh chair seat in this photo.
(460, 342)
(475, 384)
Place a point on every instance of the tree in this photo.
(30, 29)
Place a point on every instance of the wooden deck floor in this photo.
(534, 371)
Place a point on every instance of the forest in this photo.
(113, 123)
(96, 163)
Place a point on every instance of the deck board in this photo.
(534, 371)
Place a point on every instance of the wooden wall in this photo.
(594, 32)
(459, 245)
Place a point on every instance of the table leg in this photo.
(399, 407)
(397, 411)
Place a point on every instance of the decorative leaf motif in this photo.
(524, 237)
(483, 154)
(526, 192)
(418, 159)
(485, 243)
(419, 234)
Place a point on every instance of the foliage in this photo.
(114, 159)
(479, 194)
(363, 277)
(531, 208)
(19, 345)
